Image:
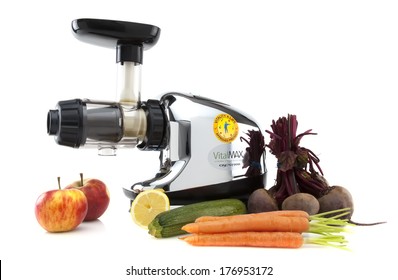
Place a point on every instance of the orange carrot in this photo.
(241, 223)
(285, 213)
(250, 239)
(262, 230)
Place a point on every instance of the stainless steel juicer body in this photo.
(197, 164)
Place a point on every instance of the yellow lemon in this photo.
(147, 205)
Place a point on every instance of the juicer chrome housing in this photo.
(196, 165)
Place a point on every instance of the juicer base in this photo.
(239, 188)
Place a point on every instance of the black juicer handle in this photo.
(129, 38)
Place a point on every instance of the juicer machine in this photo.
(208, 150)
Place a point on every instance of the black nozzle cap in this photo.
(52, 122)
(66, 123)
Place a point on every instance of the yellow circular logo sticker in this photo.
(225, 128)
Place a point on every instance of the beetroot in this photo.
(298, 167)
(337, 198)
(301, 201)
(261, 201)
(299, 172)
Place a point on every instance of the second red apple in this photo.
(97, 195)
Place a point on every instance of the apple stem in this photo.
(59, 182)
(81, 179)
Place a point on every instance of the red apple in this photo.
(61, 210)
(97, 196)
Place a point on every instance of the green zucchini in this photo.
(169, 223)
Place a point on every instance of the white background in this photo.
(332, 63)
